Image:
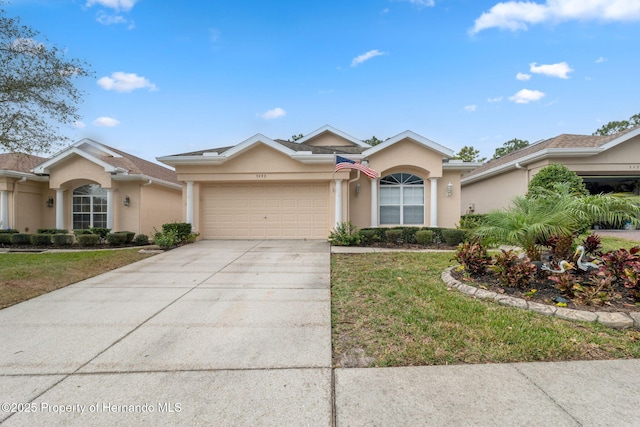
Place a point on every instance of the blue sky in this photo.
(177, 76)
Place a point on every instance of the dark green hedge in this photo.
(62, 239)
(181, 229)
(21, 239)
(88, 239)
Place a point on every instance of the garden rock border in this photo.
(617, 320)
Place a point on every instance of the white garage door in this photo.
(266, 211)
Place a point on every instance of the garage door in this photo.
(266, 211)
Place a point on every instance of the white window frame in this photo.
(94, 192)
(401, 180)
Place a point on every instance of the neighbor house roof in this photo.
(122, 165)
(19, 162)
(565, 145)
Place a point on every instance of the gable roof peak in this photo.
(331, 129)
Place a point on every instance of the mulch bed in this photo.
(546, 291)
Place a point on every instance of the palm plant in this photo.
(553, 213)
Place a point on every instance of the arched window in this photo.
(401, 199)
(89, 207)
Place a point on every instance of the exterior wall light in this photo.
(127, 201)
(449, 189)
(50, 202)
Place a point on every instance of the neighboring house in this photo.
(274, 189)
(87, 185)
(606, 164)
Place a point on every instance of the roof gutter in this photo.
(149, 180)
(23, 175)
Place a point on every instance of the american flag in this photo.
(344, 163)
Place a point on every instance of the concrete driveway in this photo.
(214, 333)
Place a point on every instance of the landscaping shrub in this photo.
(21, 238)
(166, 239)
(473, 257)
(79, 232)
(513, 271)
(409, 234)
(52, 231)
(453, 237)
(393, 235)
(62, 239)
(88, 239)
(141, 240)
(8, 231)
(40, 239)
(181, 230)
(437, 234)
(369, 236)
(102, 232)
(344, 234)
(117, 239)
(5, 239)
(424, 237)
(129, 236)
(471, 221)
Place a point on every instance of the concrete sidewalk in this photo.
(238, 333)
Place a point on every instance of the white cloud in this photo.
(365, 57)
(107, 122)
(494, 100)
(601, 60)
(560, 70)
(470, 108)
(526, 96)
(421, 3)
(523, 76)
(79, 125)
(517, 15)
(273, 114)
(113, 4)
(125, 82)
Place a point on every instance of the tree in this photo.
(618, 126)
(509, 146)
(37, 91)
(553, 174)
(373, 141)
(469, 154)
(296, 137)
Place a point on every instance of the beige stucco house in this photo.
(87, 185)
(274, 189)
(605, 163)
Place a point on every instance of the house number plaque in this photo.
(261, 175)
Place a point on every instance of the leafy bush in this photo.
(180, 229)
(424, 237)
(473, 257)
(437, 234)
(86, 240)
(62, 239)
(453, 237)
(129, 236)
(394, 235)
(141, 240)
(102, 232)
(624, 266)
(21, 239)
(8, 231)
(471, 221)
(81, 231)
(409, 234)
(40, 239)
(555, 173)
(52, 231)
(513, 271)
(344, 234)
(5, 239)
(166, 239)
(369, 236)
(117, 239)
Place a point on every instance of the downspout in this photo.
(348, 199)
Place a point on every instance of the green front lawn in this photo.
(392, 309)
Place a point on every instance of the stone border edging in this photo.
(617, 320)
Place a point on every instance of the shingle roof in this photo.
(567, 141)
(295, 146)
(19, 162)
(136, 165)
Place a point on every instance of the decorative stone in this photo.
(467, 289)
(579, 315)
(482, 293)
(635, 315)
(545, 309)
(615, 319)
(511, 301)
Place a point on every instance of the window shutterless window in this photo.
(89, 207)
(401, 199)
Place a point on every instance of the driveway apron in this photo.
(213, 333)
